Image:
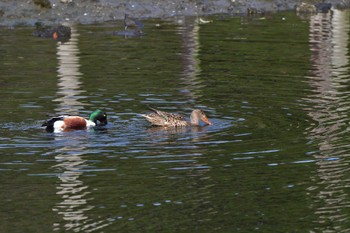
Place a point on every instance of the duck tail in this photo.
(141, 115)
(50, 123)
(153, 109)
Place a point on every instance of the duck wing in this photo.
(162, 118)
(50, 122)
(167, 115)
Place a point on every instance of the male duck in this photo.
(66, 123)
(160, 118)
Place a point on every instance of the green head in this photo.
(98, 117)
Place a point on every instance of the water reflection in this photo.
(191, 63)
(72, 190)
(329, 39)
(69, 76)
(182, 150)
(207, 180)
(175, 130)
(70, 165)
(74, 193)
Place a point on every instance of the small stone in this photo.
(43, 3)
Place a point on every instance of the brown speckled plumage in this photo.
(161, 118)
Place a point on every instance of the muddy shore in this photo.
(27, 12)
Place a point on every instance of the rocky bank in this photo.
(50, 12)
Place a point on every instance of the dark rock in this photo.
(43, 3)
(323, 7)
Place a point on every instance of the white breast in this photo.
(90, 124)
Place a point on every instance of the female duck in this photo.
(160, 118)
(66, 123)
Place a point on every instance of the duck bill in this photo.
(103, 122)
(205, 120)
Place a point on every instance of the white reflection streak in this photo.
(329, 37)
(72, 191)
(69, 75)
(192, 90)
(340, 40)
(70, 164)
(191, 62)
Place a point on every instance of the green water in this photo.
(275, 159)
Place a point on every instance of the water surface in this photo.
(274, 160)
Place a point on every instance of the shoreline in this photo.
(53, 12)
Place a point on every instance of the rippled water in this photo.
(276, 158)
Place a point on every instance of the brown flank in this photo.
(74, 122)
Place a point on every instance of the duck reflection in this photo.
(176, 130)
(70, 165)
(329, 39)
